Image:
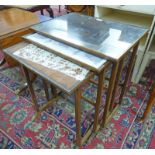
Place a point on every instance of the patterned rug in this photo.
(56, 126)
(142, 135)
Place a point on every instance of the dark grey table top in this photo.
(106, 39)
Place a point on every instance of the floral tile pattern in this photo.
(51, 61)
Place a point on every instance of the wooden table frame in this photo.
(150, 102)
(114, 82)
(102, 49)
(78, 96)
(77, 89)
(77, 22)
(115, 77)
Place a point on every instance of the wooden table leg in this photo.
(120, 67)
(42, 11)
(110, 92)
(98, 100)
(25, 85)
(54, 91)
(59, 8)
(78, 116)
(150, 103)
(50, 11)
(34, 100)
(46, 90)
(129, 70)
(2, 62)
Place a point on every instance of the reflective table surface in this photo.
(106, 39)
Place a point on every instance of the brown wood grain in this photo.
(15, 23)
(150, 103)
(14, 19)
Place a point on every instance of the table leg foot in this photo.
(78, 117)
(2, 62)
(25, 86)
(98, 100)
(50, 11)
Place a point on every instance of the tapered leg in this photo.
(46, 90)
(2, 62)
(110, 92)
(54, 91)
(42, 11)
(129, 70)
(78, 117)
(25, 85)
(120, 67)
(98, 100)
(50, 11)
(150, 103)
(59, 8)
(30, 88)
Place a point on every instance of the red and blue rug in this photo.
(56, 126)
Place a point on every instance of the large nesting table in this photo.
(110, 40)
(88, 43)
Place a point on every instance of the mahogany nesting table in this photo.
(70, 49)
(110, 40)
(62, 74)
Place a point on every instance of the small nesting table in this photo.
(62, 74)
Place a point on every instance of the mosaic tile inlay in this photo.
(51, 61)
